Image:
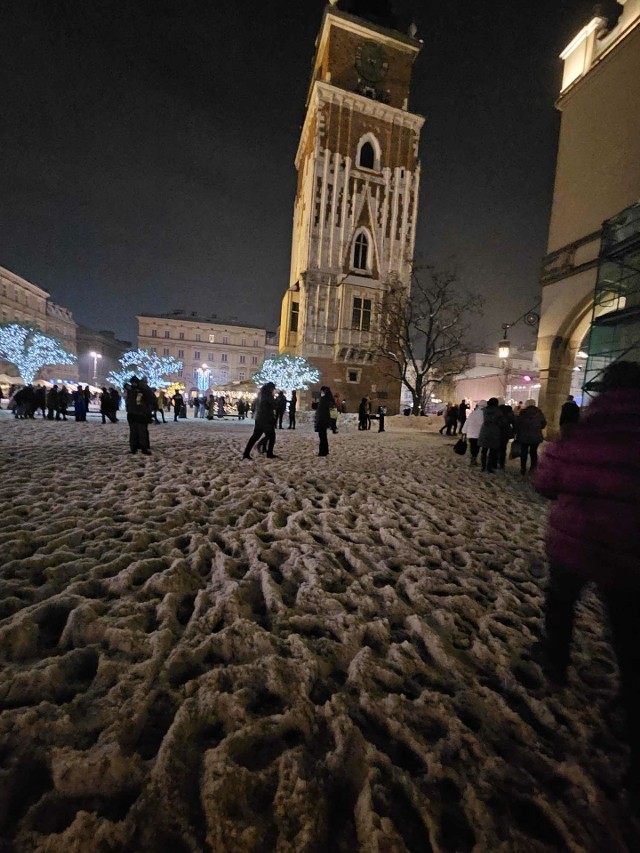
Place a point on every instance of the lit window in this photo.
(361, 252)
(212, 339)
(361, 317)
(295, 311)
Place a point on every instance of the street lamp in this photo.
(95, 356)
(504, 347)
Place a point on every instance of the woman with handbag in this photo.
(471, 430)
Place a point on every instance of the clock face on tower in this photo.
(371, 63)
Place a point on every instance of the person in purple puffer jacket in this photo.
(594, 533)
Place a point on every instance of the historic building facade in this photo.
(356, 203)
(597, 179)
(24, 302)
(230, 352)
(108, 349)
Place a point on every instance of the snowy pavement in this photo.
(203, 653)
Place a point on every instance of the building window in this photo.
(196, 355)
(212, 339)
(244, 342)
(224, 358)
(353, 376)
(254, 359)
(180, 372)
(361, 252)
(295, 310)
(180, 353)
(181, 336)
(166, 351)
(167, 334)
(241, 375)
(243, 359)
(154, 333)
(197, 337)
(361, 317)
(154, 351)
(367, 156)
(368, 153)
(225, 339)
(210, 356)
(256, 343)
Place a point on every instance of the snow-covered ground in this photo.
(301, 654)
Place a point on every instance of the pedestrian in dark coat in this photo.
(490, 436)
(140, 400)
(52, 403)
(264, 422)
(281, 408)
(80, 404)
(87, 397)
(463, 408)
(114, 405)
(363, 415)
(322, 420)
(293, 405)
(178, 405)
(507, 431)
(594, 532)
(529, 425)
(569, 416)
(63, 403)
(105, 405)
(452, 421)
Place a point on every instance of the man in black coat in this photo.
(323, 419)
(139, 402)
(281, 408)
(264, 422)
(569, 416)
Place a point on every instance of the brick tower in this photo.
(356, 202)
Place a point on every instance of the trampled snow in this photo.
(203, 653)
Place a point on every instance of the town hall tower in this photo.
(356, 202)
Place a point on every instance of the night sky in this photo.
(147, 149)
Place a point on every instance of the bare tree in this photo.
(424, 334)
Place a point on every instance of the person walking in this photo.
(594, 535)
(452, 420)
(105, 405)
(463, 408)
(80, 404)
(140, 401)
(52, 403)
(63, 403)
(363, 418)
(528, 430)
(281, 408)
(507, 431)
(264, 422)
(161, 400)
(322, 420)
(178, 405)
(471, 428)
(490, 436)
(293, 405)
(569, 416)
(445, 415)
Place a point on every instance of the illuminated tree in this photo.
(287, 372)
(30, 349)
(145, 364)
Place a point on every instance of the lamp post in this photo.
(95, 356)
(504, 351)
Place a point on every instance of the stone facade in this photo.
(24, 302)
(597, 176)
(356, 205)
(230, 351)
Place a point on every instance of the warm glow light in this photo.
(504, 348)
(527, 378)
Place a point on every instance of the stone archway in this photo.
(557, 354)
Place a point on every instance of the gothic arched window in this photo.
(367, 156)
(361, 252)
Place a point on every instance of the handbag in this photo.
(333, 414)
(460, 447)
(516, 450)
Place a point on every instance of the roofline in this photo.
(200, 321)
(16, 279)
